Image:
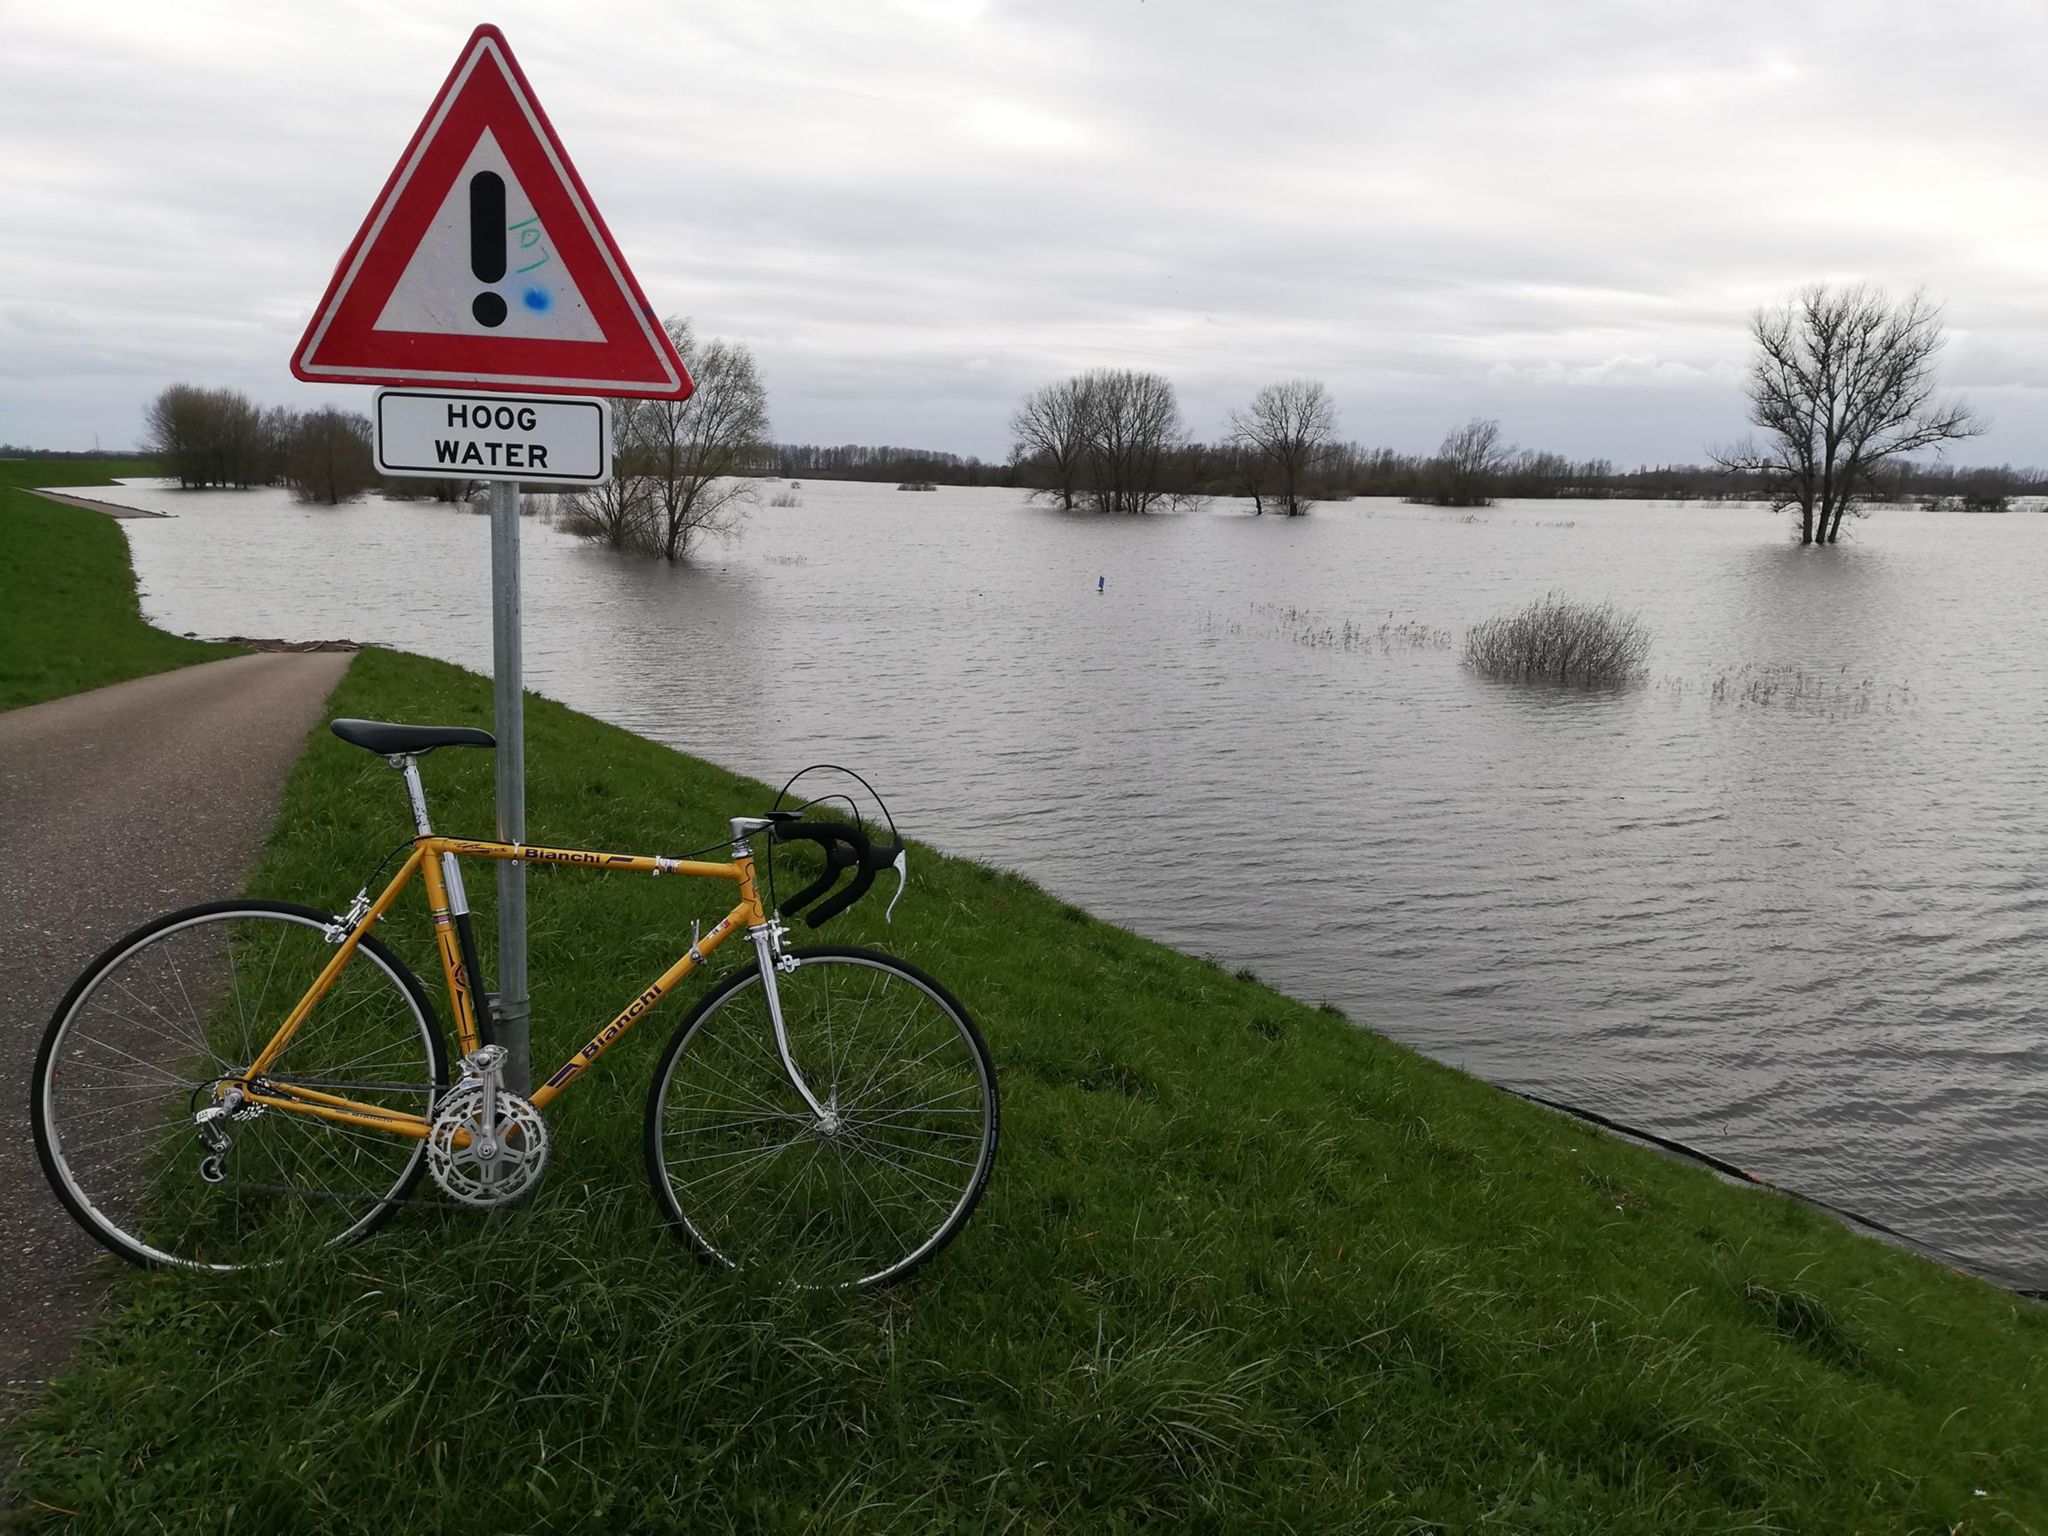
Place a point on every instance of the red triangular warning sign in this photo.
(484, 263)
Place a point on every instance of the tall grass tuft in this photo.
(1556, 640)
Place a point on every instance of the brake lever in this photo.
(901, 864)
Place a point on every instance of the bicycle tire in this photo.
(155, 1209)
(719, 1092)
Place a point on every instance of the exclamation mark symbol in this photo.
(487, 243)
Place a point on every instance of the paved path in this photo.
(116, 805)
(107, 507)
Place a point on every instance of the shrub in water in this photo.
(1555, 640)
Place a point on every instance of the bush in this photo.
(1555, 640)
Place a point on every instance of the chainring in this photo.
(480, 1165)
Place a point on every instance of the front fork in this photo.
(774, 963)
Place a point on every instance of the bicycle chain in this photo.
(264, 1187)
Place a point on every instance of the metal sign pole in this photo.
(515, 417)
(513, 1014)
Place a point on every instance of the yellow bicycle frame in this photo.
(426, 859)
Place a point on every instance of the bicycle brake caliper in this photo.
(778, 930)
(345, 925)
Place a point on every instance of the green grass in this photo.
(1242, 1266)
(69, 619)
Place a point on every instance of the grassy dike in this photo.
(1242, 1267)
(69, 619)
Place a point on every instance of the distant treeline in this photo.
(851, 461)
(220, 437)
(1359, 469)
(1352, 469)
(1536, 474)
(16, 451)
(1113, 440)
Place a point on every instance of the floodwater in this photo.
(1787, 901)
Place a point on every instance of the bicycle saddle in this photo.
(389, 740)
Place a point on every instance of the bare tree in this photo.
(237, 439)
(208, 436)
(331, 459)
(1137, 424)
(280, 427)
(692, 451)
(1288, 431)
(1053, 428)
(178, 429)
(1842, 383)
(618, 513)
(1468, 465)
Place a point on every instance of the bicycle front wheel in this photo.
(165, 1022)
(749, 1176)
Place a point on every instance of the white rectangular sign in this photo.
(555, 439)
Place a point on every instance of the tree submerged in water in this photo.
(1841, 385)
(1107, 439)
(1284, 440)
(1556, 640)
(331, 459)
(681, 468)
(1468, 467)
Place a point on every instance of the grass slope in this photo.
(69, 619)
(1242, 1267)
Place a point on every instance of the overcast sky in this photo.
(1559, 214)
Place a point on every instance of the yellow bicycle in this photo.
(241, 1081)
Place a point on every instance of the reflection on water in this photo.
(1797, 918)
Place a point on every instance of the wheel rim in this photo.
(754, 1177)
(142, 1048)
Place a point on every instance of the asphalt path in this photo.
(107, 508)
(115, 806)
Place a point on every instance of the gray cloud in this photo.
(916, 209)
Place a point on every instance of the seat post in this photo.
(409, 766)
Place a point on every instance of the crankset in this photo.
(487, 1145)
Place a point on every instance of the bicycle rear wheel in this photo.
(163, 1021)
(746, 1173)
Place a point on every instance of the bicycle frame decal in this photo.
(426, 860)
(604, 1039)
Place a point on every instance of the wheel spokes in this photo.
(760, 1181)
(166, 1029)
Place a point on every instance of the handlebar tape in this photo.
(872, 862)
(845, 848)
(842, 847)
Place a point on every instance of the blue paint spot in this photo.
(539, 300)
